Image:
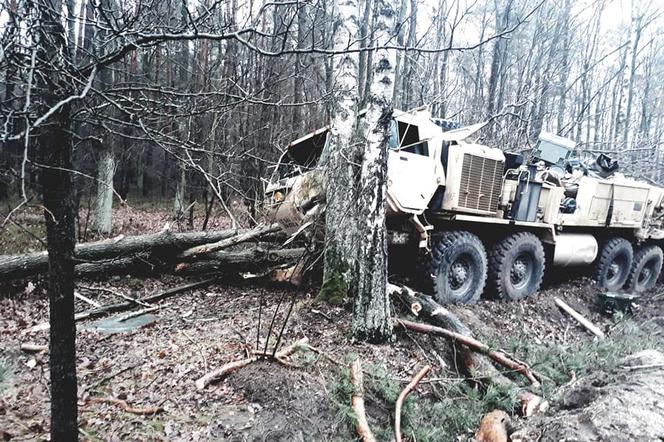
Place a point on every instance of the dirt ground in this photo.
(156, 364)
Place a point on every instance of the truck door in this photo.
(411, 171)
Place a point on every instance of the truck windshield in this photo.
(302, 156)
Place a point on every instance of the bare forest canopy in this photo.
(196, 99)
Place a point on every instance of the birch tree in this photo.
(371, 319)
(106, 157)
(344, 155)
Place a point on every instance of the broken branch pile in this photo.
(166, 251)
(447, 324)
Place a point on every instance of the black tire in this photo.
(614, 264)
(456, 268)
(516, 266)
(646, 267)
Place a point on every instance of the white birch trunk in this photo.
(371, 319)
(340, 268)
(622, 118)
(634, 38)
(104, 204)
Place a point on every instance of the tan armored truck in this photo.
(484, 219)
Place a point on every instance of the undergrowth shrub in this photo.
(456, 409)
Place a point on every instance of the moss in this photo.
(334, 289)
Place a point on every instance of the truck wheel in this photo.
(457, 268)
(645, 269)
(516, 266)
(614, 264)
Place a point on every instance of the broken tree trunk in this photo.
(240, 260)
(218, 262)
(20, 266)
(477, 368)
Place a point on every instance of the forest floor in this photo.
(157, 363)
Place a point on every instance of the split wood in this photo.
(406, 391)
(473, 344)
(357, 402)
(592, 328)
(226, 369)
(126, 407)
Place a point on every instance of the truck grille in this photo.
(481, 183)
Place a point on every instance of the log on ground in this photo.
(249, 259)
(164, 242)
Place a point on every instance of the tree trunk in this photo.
(340, 268)
(103, 218)
(104, 203)
(298, 81)
(20, 266)
(502, 22)
(180, 204)
(371, 319)
(55, 147)
(400, 63)
(635, 37)
(408, 62)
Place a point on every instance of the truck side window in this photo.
(409, 135)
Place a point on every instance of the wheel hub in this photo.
(644, 275)
(519, 271)
(459, 273)
(614, 270)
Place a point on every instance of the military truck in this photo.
(487, 220)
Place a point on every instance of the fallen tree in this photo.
(139, 253)
(254, 257)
